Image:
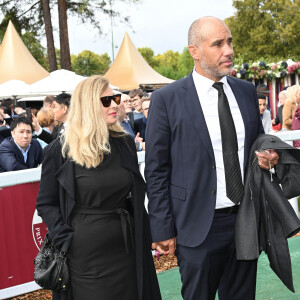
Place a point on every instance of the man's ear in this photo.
(194, 52)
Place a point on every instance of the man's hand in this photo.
(138, 138)
(35, 123)
(267, 159)
(165, 247)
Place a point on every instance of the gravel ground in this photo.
(164, 263)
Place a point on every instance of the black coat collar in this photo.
(65, 173)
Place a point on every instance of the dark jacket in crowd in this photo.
(12, 159)
(266, 218)
(278, 119)
(140, 126)
(4, 133)
(56, 200)
(47, 137)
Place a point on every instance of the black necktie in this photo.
(233, 177)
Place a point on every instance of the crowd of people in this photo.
(47, 122)
(19, 148)
(288, 113)
(199, 134)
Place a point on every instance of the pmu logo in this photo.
(39, 229)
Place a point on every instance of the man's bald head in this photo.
(197, 29)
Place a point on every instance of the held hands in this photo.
(165, 247)
(267, 159)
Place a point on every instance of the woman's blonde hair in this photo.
(86, 138)
(45, 117)
(292, 92)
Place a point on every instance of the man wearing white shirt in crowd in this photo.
(264, 113)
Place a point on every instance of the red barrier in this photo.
(21, 233)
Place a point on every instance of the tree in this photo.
(65, 59)
(167, 64)
(265, 28)
(36, 49)
(88, 63)
(49, 36)
(148, 55)
(30, 39)
(185, 63)
(34, 14)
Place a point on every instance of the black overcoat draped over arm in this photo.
(56, 200)
(266, 218)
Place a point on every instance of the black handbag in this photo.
(50, 267)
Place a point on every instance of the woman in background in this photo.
(91, 198)
(45, 118)
(290, 106)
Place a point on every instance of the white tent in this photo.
(13, 88)
(59, 81)
(32, 98)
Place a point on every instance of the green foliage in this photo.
(185, 63)
(148, 55)
(265, 28)
(30, 38)
(36, 49)
(167, 64)
(88, 63)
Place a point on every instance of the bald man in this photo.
(191, 206)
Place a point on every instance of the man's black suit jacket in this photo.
(180, 165)
(140, 126)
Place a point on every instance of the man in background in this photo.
(263, 89)
(128, 108)
(20, 151)
(48, 101)
(265, 114)
(281, 97)
(136, 96)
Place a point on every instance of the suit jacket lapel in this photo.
(195, 113)
(18, 152)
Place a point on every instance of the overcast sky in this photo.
(159, 24)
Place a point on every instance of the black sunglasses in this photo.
(106, 101)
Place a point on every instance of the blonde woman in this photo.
(290, 106)
(45, 118)
(92, 199)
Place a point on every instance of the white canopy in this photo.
(59, 81)
(32, 98)
(13, 88)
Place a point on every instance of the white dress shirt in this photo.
(208, 97)
(24, 152)
(266, 121)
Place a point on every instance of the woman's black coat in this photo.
(56, 200)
